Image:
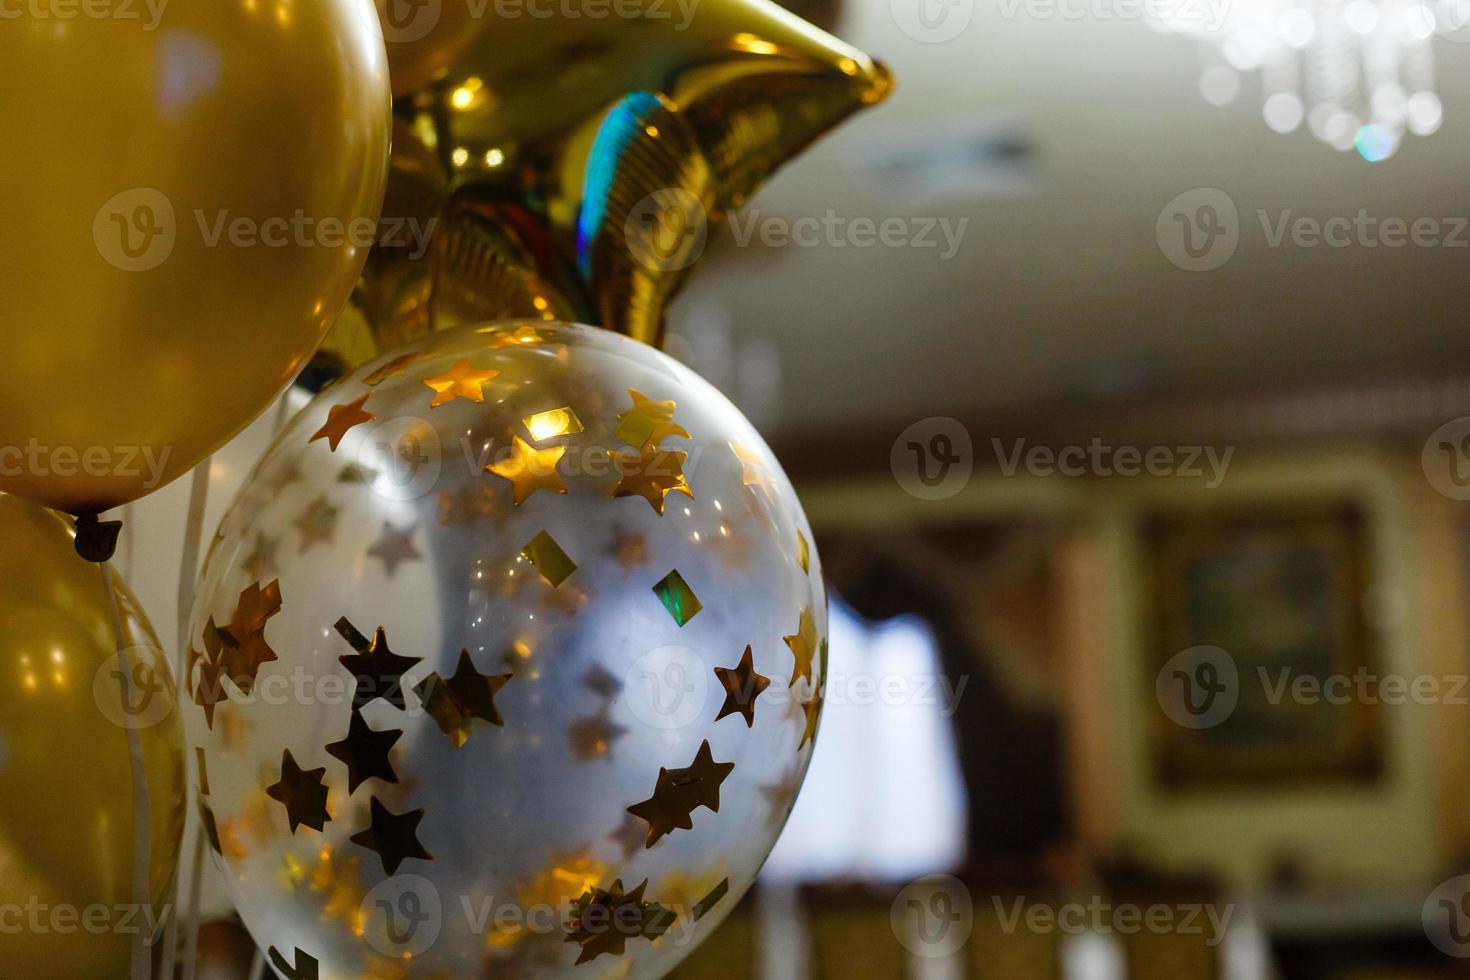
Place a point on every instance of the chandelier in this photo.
(1359, 74)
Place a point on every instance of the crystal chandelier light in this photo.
(1358, 73)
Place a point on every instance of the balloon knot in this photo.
(97, 540)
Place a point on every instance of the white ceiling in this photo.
(1063, 291)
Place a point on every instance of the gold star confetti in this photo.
(394, 547)
(209, 689)
(803, 553)
(260, 564)
(602, 921)
(742, 686)
(678, 598)
(462, 381)
(652, 474)
(553, 563)
(365, 753)
(287, 473)
(302, 794)
(340, 420)
(392, 836)
(811, 710)
(317, 524)
(305, 967)
(523, 336)
(753, 469)
(245, 647)
(803, 646)
(781, 796)
(530, 469)
(648, 422)
(456, 703)
(630, 836)
(602, 683)
(378, 670)
(390, 369)
(471, 504)
(552, 423)
(593, 736)
(631, 550)
(679, 792)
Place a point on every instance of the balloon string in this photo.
(142, 959)
(188, 579)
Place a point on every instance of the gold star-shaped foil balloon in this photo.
(573, 168)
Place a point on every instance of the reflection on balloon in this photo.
(511, 656)
(185, 211)
(67, 823)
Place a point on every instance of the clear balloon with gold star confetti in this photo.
(506, 662)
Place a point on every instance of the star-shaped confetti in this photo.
(317, 524)
(600, 682)
(592, 737)
(365, 753)
(394, 547)
(803, 553)
(456, 703)
(546, 555)
(379, 671)
(603, 920)
(552, 423)
(803, 646)
(677, 597)
(287, 473)
(530, 469)
(629, 548)
(679, 792)
(742, 686)
(305, 967)
(341, 419)
(630, 836)
(648, 422)
(754, 472)
(522, 336)
(781, 796)
(209, 689)
(260, 564)
(461, 381)
(392, 836)
(245, 646)
(302, 793)
(472, 503)
(651, 473)
(390, 369)
(811, 711)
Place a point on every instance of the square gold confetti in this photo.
(552, 423)
(553, 564)
(635, 429)
(678, 598)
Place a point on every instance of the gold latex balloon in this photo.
(66, 802)
(190, 191)
(582, 161)
(426, 37)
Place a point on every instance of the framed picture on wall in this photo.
(1262, 660)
